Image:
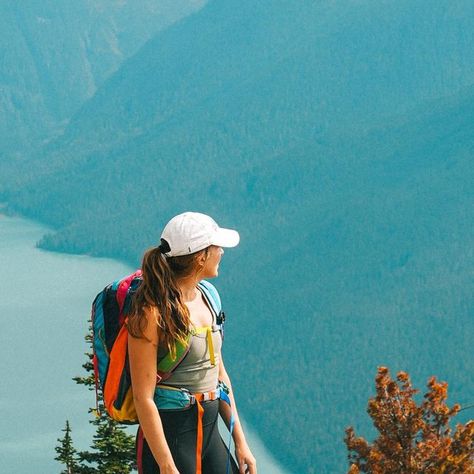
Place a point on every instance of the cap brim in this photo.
(226, 238)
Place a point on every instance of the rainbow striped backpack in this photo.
(109, 342)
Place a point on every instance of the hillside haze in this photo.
(338, 139)
(56, 54)
(254, 81)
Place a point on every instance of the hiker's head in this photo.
(192, 242)
(190, 249)
(190, 232)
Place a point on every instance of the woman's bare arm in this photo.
(247, 463)
(143, 356)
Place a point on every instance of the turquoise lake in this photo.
(45, 304)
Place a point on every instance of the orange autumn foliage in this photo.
(413, 438)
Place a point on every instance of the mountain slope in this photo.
(352, 193)
(55, 56)
(353, 255)
(259, 80)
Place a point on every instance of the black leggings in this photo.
(180, 427)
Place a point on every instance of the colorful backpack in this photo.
(110, 355)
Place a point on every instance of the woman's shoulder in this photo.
(149, 328)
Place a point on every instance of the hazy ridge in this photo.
(56, 55)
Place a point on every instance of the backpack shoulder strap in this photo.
(212, 296)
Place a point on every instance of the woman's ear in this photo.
(202, 258)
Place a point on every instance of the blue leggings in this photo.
(180, 427)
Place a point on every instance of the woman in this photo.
(168, 308)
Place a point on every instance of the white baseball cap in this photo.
(192, 231)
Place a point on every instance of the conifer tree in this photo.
(413, 438)
(112, 450)
(67, 454)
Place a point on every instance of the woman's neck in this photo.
(188, 289)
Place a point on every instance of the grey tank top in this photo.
(199, 370)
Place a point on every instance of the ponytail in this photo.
(160, 294)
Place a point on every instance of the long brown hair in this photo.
(160, 293)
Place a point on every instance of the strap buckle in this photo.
(204, 397)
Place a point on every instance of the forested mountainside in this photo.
(240, 81)
(54, 56)
(309, 129)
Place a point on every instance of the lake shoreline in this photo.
(52, 265)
